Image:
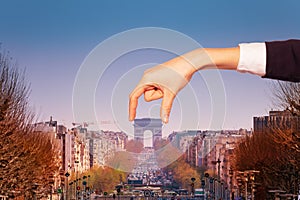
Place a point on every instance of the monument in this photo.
(145, 124)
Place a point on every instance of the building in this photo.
(103, 145)
(211, 151)
(182, 139)
(276, 119)
(51, 128)
(81, 154)
(218, 149)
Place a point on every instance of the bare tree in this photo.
(276, 152)
(14, 120)
(26, 157)
(286, 95)
(260, 152)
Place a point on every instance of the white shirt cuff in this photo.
(253, 58)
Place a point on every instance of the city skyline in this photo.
(52, 40)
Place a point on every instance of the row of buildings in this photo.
(81, 149)
(276, 120)
(212, 151)
(205, 148)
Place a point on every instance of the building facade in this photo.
(212, 151)
(276, 120)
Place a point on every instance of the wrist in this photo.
(223, 58)
(182, 65)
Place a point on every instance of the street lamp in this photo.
(84, 185)
(193, 185)
(252, 178)
(75, 188)
(219, 162)
(77, 165)
(230, 183)
(219, 174)
(215, 162)
(249, 176)
(71, 190)
(246, 179)
(67, 184)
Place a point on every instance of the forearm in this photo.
(247, 57)
(205, 58)
(223, 58)
(276, 60)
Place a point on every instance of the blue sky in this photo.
(52, 38)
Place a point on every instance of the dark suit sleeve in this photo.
(283, 60)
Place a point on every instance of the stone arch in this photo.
(147, 124)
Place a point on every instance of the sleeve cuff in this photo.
(253, 58)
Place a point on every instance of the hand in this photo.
(162, 81)
(166, 80)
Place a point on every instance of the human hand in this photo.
(166, 80)
(162, 81)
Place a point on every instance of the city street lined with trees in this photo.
(264, 164)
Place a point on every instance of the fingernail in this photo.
(165, 119)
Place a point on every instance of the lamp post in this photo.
(84, 185)
(252, 178)
(89, 187)
(193, 184)
(79, 188)
(216, 192)
(231, 194)
(76, 170)
(249, 176)
(218, 162)
(75, 188)
(219, 172)
(211, 187)
(246, 179)
(70, 190)
(67, 184)
(206, 182)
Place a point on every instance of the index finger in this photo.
(133, 101)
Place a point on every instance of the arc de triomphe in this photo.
(144, 124)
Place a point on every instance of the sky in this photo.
(53, 39)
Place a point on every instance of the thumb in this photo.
(166, 105)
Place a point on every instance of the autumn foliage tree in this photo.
(104, 179)
(260, 152)
(182, 173)
(25, 156)
(123, 161)
(276, 152)
(166, 153)
(286, 95)
(134, 146)
(126, 160)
